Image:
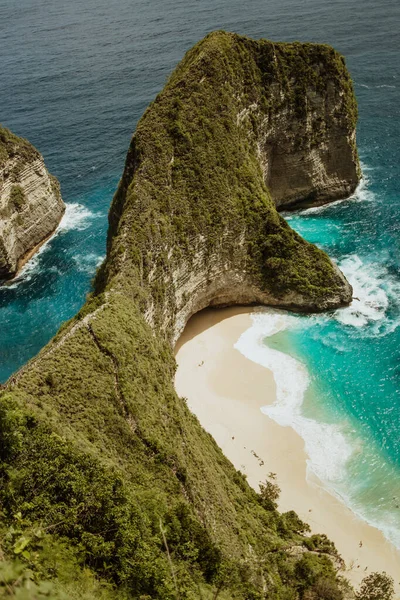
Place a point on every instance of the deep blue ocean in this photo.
(76, 77)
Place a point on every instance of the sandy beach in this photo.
(226, 391)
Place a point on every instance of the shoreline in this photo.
(26, 257)
(226, 391)
(30, 253)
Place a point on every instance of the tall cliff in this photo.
(30, 202)
(108, 484)
(242, 126)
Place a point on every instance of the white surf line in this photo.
(326, 447)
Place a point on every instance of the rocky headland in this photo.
(103, 466)
(241, 128)
(30, 202)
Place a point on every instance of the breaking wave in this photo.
(375, 292)
(76, 217)
(325, 444)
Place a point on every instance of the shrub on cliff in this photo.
(269, 493)
(376, 586)
(316, 575)
(17, 197)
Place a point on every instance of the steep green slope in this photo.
(110, 488)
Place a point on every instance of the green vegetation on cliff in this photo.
(11, 145)
(17, 197)
(98, 450)
(109, 486)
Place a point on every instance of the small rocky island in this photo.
(30, 202)
(103, 467)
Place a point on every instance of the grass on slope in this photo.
(13, 146)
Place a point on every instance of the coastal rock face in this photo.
(30, 202)
(308, 152)
(243, 127)
(225, 285)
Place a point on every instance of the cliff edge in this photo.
(30, 202)
(109, 486)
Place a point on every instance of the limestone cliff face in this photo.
(30, 202)
(243, 127)
(315, 161)
(212, 282)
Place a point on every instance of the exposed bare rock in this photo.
(315, 161)
(30, 202)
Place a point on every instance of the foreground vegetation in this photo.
(109, 486)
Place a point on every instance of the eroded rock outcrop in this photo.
(307, 143)
(30, 202)
(241, 128)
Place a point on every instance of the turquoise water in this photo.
(353, 355)
(76, 77)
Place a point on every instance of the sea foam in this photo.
(88, 263)
(326, 446)
(331, 448)
(29, 268)
(362, 194)
(375, 291)
(76, 217)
